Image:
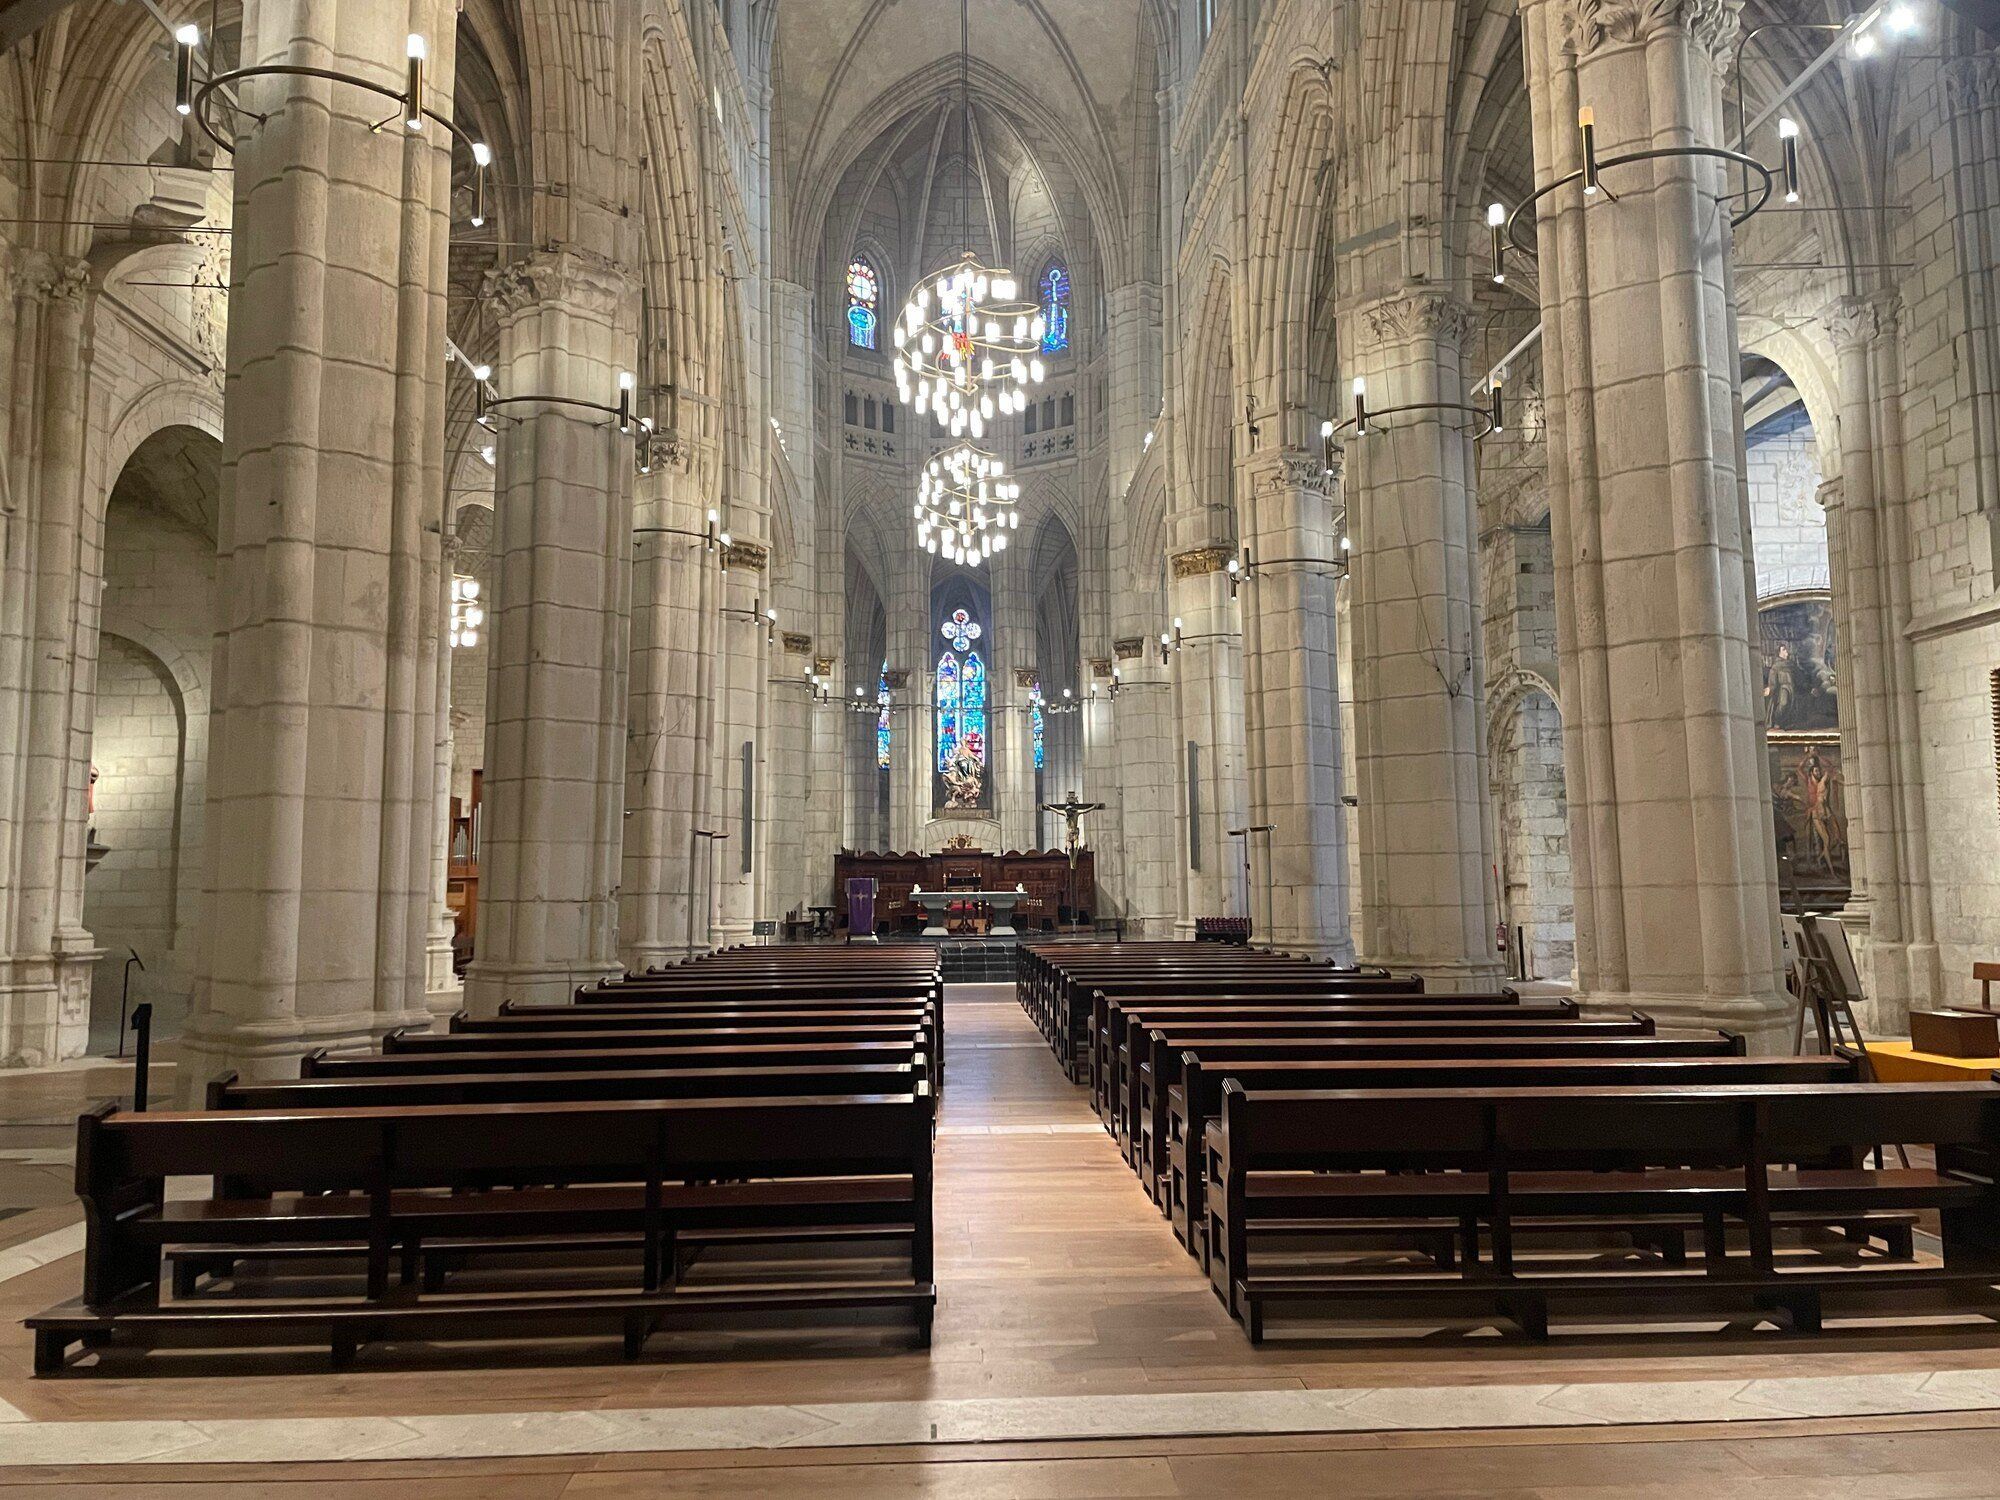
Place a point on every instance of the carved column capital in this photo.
(1128, 648)
(1857, 322)
(1421, 314)
(747, 555)
(1712, 25)
(44, 277)
(1199, 560)
(567, 278)
(1972, 84)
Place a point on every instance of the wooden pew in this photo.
(802, 1080)
(1492, 1156)
(719, 1036)
(395, 1177)
(1087, 1002)
(1120, 1099)
(1123, 1016)
(579, 1019)
(1183, 1127)
(704, 1054)
(1188, 1109)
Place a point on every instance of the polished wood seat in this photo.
(1725, 1152)
(388, 1177)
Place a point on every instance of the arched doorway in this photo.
(149, 748)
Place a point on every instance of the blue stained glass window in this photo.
(1035, 724)
(882, 730)
(947, 709)
(1055, 308)
(864, 294)
(972, 707)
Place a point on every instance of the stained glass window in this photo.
(882, 730)
(1055, 307)
(1035, 723)
(864, 293)
(961, 692)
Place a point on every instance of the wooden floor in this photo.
(1057, 1278)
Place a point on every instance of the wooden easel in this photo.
(1827, 982)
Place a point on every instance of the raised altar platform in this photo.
(1047, 892)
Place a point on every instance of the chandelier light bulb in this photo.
(1902, 19)
(1496, 220)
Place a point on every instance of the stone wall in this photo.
(151, 754)
(1788, 526)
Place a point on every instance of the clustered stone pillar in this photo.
(1144, 721)
(741, 719)
(323, 736)
(1206, 670)
(1887, 838)
(1291, 671)
(1675, 868)
(554, 786)
(443, 990)
(45, 953)
(1427, 897)
(674, 580)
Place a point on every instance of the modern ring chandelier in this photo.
(965, 505)
(967, 348)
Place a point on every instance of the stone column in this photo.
(1900, 957)
(1427, 897)
(1298, 869)
(443, 990)
(554, 789)
(1018, 809)
(1675, 869)
(1207, 677)
(741, 712)
(674, 577)
(45, 954)
(1104, 831)
(1144, 721)
(910, 659)
(322, 768)
(826, 726)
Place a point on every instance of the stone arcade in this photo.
(507, 496)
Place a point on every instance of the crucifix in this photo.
(1072, 812)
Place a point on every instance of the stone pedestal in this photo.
(1670, 820)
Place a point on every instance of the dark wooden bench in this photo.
(394, 1177)
(1488, 1158)
(670, 1054)
(1175, 1122)
(651, 1037)
(1126, 1021)
(1190, 1105)
(578, 1019)
(802, 1080)
(1120, 1094)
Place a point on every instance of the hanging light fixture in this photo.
(968, 346)
(466, 614)
(965, 506)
